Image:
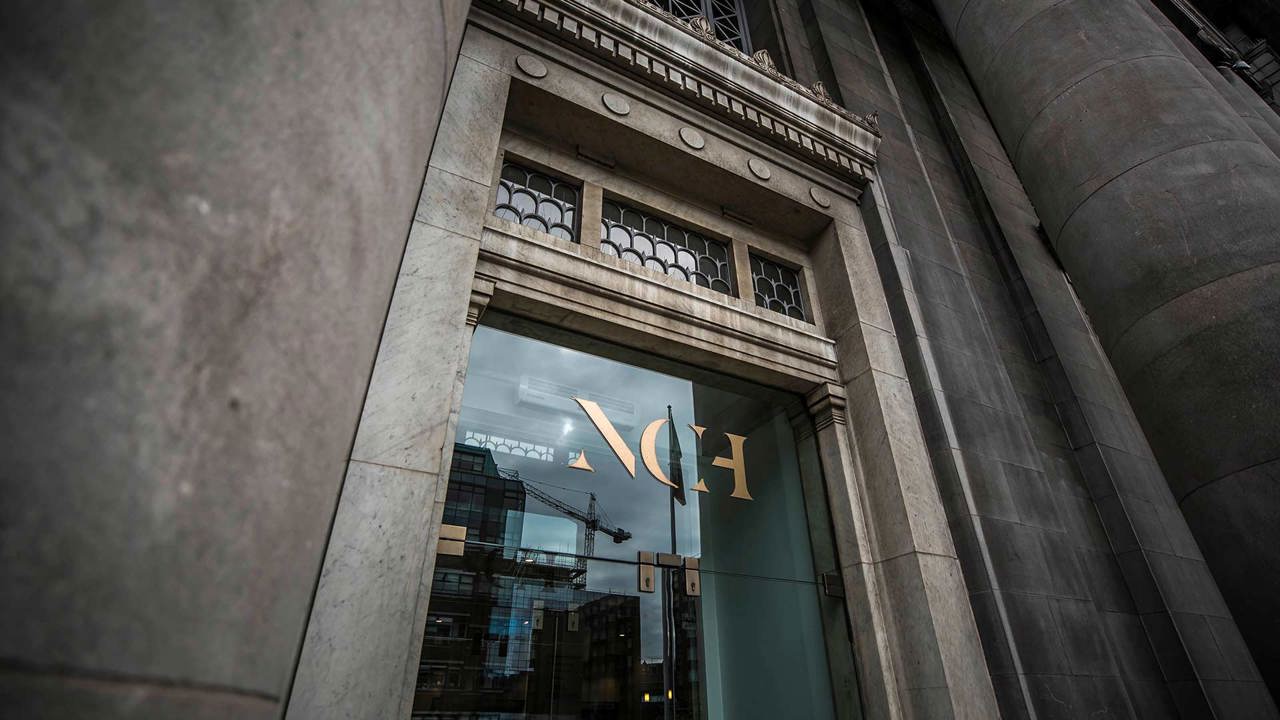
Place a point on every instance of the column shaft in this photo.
(1165, 209)
(204, 206)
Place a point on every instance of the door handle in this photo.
(647, 576)
(692, 579)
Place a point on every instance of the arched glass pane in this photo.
(537, 200)
(668, 243)
(777, 287)
(687, 260)
(642, 244)
(550, 212)
(665, 252)
(620, 236)
(566, 194)
(540, 183)
(524, 201)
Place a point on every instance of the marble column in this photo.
(204, 208)
(364, 638)
(1164, 207)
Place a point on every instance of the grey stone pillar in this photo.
(204, 206)
(1253, 108)
(1165, 210)
(1235, 91)
(364, 639)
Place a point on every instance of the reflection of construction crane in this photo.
(590, 519)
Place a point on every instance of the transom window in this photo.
(777, 287)
(634, 235)
(729, 257)
(538, 200)
(727, 18)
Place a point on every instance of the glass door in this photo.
(637, 545)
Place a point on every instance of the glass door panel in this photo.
(527, 401)
(518, 635)
(573, 475)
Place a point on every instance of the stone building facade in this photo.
(939, 337)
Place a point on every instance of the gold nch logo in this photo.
(649, 451)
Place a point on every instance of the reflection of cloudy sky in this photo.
(640, 505)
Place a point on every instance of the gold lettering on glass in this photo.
(610, 434)
(701, 485)
(580, 462)
(649, 451)
(737, 463)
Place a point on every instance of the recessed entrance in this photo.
(621, 542)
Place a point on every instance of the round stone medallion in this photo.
(692, 138)
(617, 104)
(759, 168)
(531, 66)
(820, 196)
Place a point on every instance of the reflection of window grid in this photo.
(777, 288)
(463, 499)
(643, 239)
(453, 583)
(538, 201)
(500, 444)
(468, 462)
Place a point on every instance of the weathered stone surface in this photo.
(1165, 208)
(360, 656)
(406, 412)
(203, 210)
(360, 647)
(37, 696)
(1230, 86)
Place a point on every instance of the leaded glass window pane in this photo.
(538, 200)
(727, 17)
(777, 287)
(655, 243)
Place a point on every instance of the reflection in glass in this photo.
(543, 615)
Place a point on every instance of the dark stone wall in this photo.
(1089, 591)
(203, 207)
(1165, 208)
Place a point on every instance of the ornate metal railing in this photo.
(538, 200)
(777, 287)
(641, 238)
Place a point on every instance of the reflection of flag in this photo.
(674, 471)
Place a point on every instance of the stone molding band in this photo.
(835, 140)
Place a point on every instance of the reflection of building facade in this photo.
(511, 632)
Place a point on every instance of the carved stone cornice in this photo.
(702, 29)
(481, 293)
(685, 60)
(826, 403)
